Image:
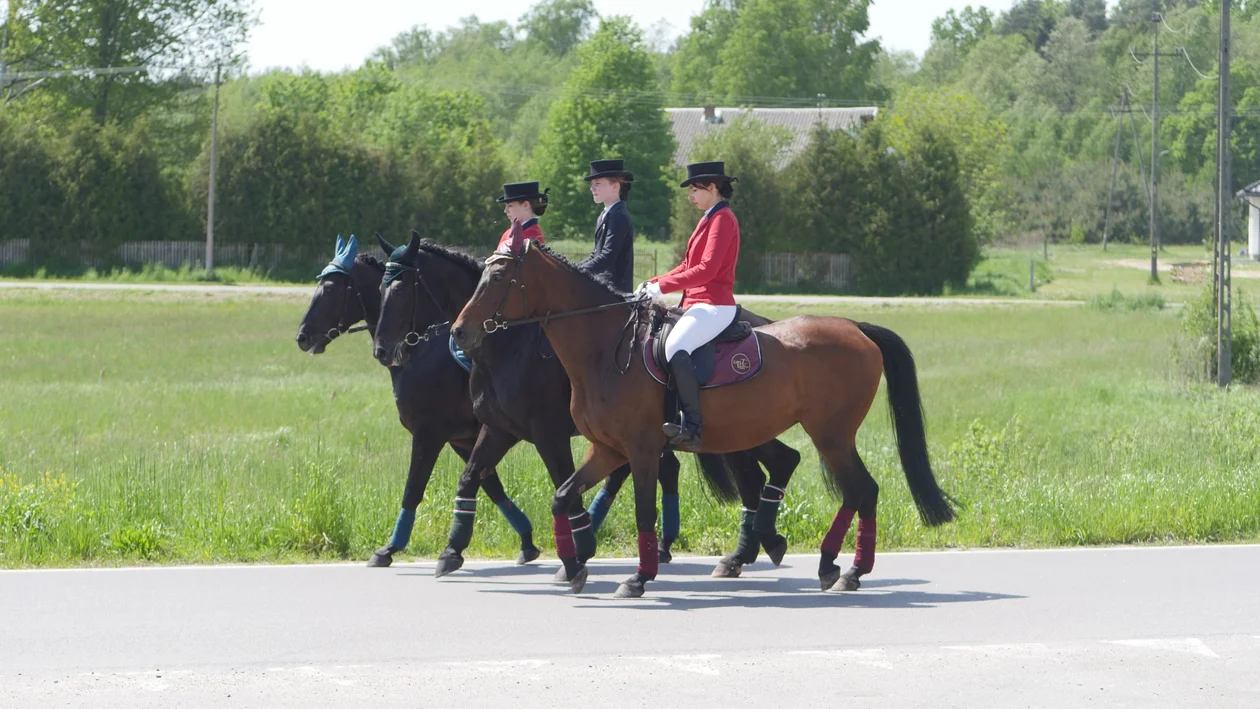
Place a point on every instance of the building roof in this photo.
(1251, 190)
(690, 124)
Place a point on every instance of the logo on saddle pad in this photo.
(740, 363)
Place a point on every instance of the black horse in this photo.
(430, 390)
(521, 392)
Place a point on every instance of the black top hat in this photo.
(609, 168)
(715, 171)
(521, 192)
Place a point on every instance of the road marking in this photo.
(872, 657)
(499, 665)
(1001, 649)
(1191, 645)
(697, 664)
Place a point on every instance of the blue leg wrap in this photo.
(516, 518)
(669, 517)
(402, 529)
(599, 508)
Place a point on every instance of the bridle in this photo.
(496, 322)
(413, 337)
(342, 327)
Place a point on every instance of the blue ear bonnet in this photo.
(398, 264)
(343, 259)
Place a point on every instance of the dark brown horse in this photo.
(820, 372)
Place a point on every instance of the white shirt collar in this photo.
(712, 209)
(614, 204)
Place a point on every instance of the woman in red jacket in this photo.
(706, 278)
(523, 201)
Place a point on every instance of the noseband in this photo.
(413, 337)
(342, 328)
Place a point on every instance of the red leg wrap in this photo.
(564, 536)
(839, 527)
(864, 560)
(648, 559)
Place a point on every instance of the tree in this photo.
(559, 25)
(1092, 12)
(798, 49)
(697, 54)
(165, 37)
(1031, 19)
(963, 30)
(607, 109)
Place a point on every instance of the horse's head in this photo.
(334, 306)
(415, 299)
(500, 295)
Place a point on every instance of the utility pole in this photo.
(1157, 18)
(1115, 164)
(1224, 192)
(214, 169)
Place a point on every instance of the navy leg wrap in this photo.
(402, 529)
(583, 535)
(768, 510)
(516, 518)
(748, 544)
(599, 508)
(669, 518)
(462, 524)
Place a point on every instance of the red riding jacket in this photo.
(531, 231)
(707, 274)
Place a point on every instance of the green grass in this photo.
(189, 428)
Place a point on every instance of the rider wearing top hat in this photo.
(613, 255)
(706, 278)
(523, 201)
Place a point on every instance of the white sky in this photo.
(330, 35)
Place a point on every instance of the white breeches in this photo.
(700, 324)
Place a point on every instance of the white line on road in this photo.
(1191, 645)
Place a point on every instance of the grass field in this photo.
(189, 428)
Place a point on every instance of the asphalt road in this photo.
(1121, 627)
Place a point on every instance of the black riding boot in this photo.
(685, 435)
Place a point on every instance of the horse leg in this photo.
(424, 455)
(490, 448)
(644, 466)
(860, 496)
(557, 457)
(780, 461)
(599, 507)
(749, 480)
(600, 460)
(493, 488)
(670, 517)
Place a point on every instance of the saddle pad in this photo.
(733, 362)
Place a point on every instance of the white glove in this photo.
(648, 289)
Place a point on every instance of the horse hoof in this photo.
(829, 579)
(561, 576)
(664, 556)
(447, 564)
(727, 569)
(848, 581)
(527, 555)
(777, 552)
(381, 558)
(579, 580)
(630, 588)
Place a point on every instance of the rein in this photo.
(497, 323)
(393, 270)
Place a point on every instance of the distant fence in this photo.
(832, 272)
(829, 272)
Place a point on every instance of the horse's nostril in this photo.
(458, 332)
(379, 352)
(302, 338)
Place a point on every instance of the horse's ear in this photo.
(517, 238)
(341, 246)
(388, 247)
(414, 244)
(352, 248)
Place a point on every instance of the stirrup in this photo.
(682, 436)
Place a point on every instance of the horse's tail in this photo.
(716, 474)
(906, 411)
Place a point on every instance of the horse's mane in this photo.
(598, 279)
(369, 260)
(459, 258)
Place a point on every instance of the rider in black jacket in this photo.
(613, 255)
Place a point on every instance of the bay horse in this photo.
(430, 391)
(820, 372)
(520, 391)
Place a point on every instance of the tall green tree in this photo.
(167, 38)
(559, 25)
(608, 109)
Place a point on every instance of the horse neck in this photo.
(367, 279)
(452, 285)
(584, 343)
